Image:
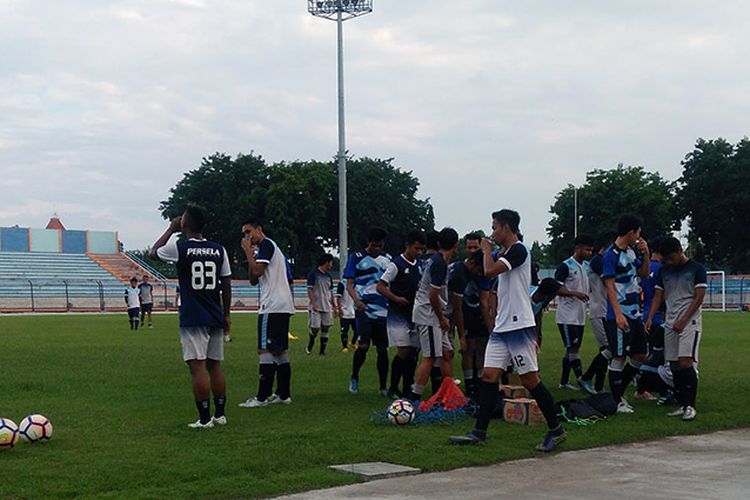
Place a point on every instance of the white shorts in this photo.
(600, 334)
(202, 342)
(318, 320)
(517, 348)
(401, 332)
(682, 345)
(433, 341)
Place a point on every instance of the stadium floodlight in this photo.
(340, 11)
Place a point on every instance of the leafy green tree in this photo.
(606, 195)
(298, 203)
(714, 195)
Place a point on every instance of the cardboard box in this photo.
(514, 392)
(522, 411)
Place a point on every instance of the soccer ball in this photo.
(35, 428)
(401, 412)
(8, 434)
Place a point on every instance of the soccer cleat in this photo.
(227, 338)
(473, 437)
(150, 327)
(254, 403)
(344, 349)
(624, 407)
(645, 395)
(307, 351)
(353, 346)
(222, 420)
(586, 386)
(276, 400)
(568, 387)
(551, 440)
(322, 354)
(198, 425)
(679, 412)
(292, 336)
(689, 414)
(354, 386)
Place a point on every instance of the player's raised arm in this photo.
(645, 268)
(175, 226)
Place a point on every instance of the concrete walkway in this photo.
(708, 466)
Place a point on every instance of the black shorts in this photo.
(475, 327)
(147, 308)
(371, 330)
(628, 342)
(273, 332)
(656, 337)
(134, 312)
(572, 335)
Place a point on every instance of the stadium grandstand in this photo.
(60, 270)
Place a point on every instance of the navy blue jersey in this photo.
(402, 278)
(201, 264)
(648, 286)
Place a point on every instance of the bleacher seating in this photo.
(121, 266)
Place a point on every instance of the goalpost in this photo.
(715, 276)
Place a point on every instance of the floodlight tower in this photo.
(340, 11)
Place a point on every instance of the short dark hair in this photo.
(376, 234)
(433, 240)
(252, 222)
(325, 259)
(670, 245)
(584, 240)
(627, 223)
(197, 217)
(134, 279)
(415, 236)
(477, 258)
(473, 236)
(448, 238)
(654, 244)
(509, 218)
(605, 240)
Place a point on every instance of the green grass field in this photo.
(120, 402)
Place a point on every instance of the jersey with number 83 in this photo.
(201, 264)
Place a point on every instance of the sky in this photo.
(492, 104)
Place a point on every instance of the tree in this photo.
(298, 203)
(606, 195)
(382, 195)
(713, 195)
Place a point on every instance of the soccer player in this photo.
(572, 274)
(133, 302)
(656, 334)
(597, 370)
(267, 267)
(624, 261)
(205, 282)
(399, 285)
(512, 340)
(362, 273)
(345, 308)
(429, 316)
(540, 296)
(320, 303)
(474, 308)
(681, 283)
(146, 296)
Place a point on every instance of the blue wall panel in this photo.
(74, 241)
(102, 242)
(45, 240)
(14, 239)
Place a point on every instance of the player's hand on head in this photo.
(176, 224)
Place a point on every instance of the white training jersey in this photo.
(132, 296)
(572, 275)
(275, 294)
(597, 289)
(345, 300)
(514, 310)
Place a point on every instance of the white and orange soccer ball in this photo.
(8, 434)
(401, 412)
(35, 428)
